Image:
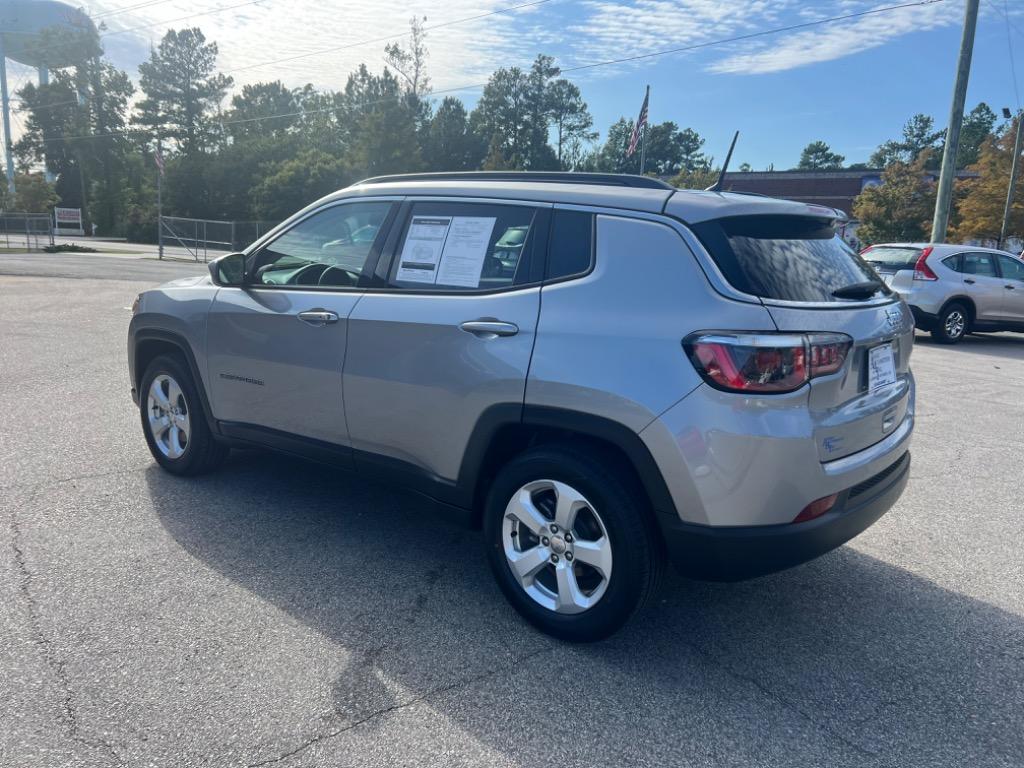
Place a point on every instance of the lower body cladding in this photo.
(739, 486)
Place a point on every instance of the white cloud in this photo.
(836, 40)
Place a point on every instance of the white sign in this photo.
(462, 262)
(68, 218)
(423, 247)
(446, 250)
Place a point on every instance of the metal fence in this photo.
(201, 236)
(31, 231)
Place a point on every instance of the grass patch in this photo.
(69, 248)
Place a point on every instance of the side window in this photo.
(328, 248)
(953, 262)
(978, 264)
(571, 246)
(464, 246)
(1013, 269)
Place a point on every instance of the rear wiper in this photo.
(863, 290)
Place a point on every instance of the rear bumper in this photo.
(736, 553)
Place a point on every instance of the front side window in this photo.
(1013, 269)
(978, 264)
(463, 247)
(327, 249)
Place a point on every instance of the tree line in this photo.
(269, 149)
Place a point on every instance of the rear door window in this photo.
(981, 264)
(464, 247)
(788, 258)
(571, 247)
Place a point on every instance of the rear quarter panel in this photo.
(610, 344)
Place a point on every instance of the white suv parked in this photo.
(954, 289)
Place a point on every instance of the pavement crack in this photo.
(321, 737)
(67, 713)
(59, 480)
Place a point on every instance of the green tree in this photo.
(262, 109)
(669, 150)
(901, 208)
(381, 125)
(571, 122)
(450, 145)
(182, 90)
(819, 156)
(977, 127)
(919, 134)
(297, 182)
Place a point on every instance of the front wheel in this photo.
(570, 542)
(176, 430)
(953, 323)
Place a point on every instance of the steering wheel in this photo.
(297, 277)
(338, 276)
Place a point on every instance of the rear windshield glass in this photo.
(789, 258)
(891, 259)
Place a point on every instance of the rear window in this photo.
(789, 258)
(892, 259)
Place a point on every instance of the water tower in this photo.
(44, 34)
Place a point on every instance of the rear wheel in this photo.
(176, 430)
(570, 542)
(953, 323)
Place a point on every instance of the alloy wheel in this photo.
(557, 546)
(955, 324)
(169, 419)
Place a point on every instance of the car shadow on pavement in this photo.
(1009, 345)
(880, 665)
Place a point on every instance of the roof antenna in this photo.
(717, 186)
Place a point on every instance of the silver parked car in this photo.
(954, 289)
(599, 371)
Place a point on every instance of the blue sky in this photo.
(851, 83)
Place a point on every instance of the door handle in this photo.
(318, 317)
(489, 329)
(969, 281)
(1011, 287)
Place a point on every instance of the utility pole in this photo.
(956, 118)
(643, 140)
(159, 199)
(1013, 181)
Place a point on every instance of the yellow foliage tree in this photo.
(983, 199)
(900, 210)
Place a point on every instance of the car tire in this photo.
(173, 421)
(584, 583)
(953, 324)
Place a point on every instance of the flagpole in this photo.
(643, 139)
(159, 203)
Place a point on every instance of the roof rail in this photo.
(554, 177)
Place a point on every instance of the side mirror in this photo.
(228, 270)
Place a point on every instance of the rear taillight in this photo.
(921, 269)
(765, 362)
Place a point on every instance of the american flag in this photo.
(159, 159)
(634, 139)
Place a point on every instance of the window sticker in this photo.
(422, 250)
(462, 260)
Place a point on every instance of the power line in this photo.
(179, 18)
(116, 11)
(579, 68)
(1005, 11)
(387, 37)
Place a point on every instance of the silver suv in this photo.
(599, 371)
(954, 289)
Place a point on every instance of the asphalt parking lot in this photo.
(277, 614)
